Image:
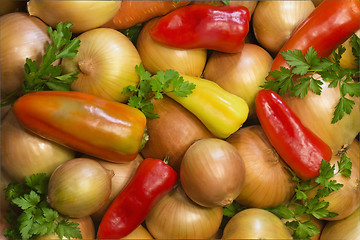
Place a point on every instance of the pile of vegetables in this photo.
(180, 119)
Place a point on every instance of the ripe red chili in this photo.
(221, 28)
(300, 148)
(151, 181)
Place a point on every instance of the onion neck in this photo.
(86, 66)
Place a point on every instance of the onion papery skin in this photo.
(316, 112)
(212, 172)
(85, 15)
(156, 56)
(22, 36)
(79, 187)
(175, 216)
(240, 73)
(268, 182)
(24, 153)
(274, 21)
(173, 132)
(255, 223)
(139, 233)
(106, 64)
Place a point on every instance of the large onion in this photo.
(274, 21)
(175, 216)
(23, 153)
(139, 233)
(85, 15)
(212, 172)
(268, 182)
(240, 73)
(106, 64)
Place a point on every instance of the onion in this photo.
(122, 174)
(21, 37)
(212, 172)
(5, 110)
(347, 228)
(9, 6)
(174, 122)
(85, 15)
(255, 223)
(274, 21)
(175, 216)
(139, 233)
(268, 182)
(240, 73)
(106, 64)
(157, 56)
(24, 153)
(79, 187)
(316, 112)
(250, 5)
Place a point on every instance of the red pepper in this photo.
(328, 26)
(105, 129)
(300, 148)
(152, 180)
(220, 28)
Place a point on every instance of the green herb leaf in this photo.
(305, 230)
(282, 211)
(233, 209)
(355, 47)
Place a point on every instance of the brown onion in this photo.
(212, 172)
(173, 132)
(268, 182)
(175, 216)
(139, 233)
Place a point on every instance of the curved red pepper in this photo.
(300, 148)
(151, 181)
(221, 28)
(328, 26)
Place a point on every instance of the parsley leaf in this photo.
(232, 209)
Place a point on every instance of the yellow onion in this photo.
(157, 56)
(85, 15)
(316, 112)
(21, 37)
(212, 172)
(240, 73)
(274, 21)
(347, 228)
(122, 174)
(255, 223)
(79, 187)
(174, 122)
(106, 64)
(268, 182)
(139, 233)
(9, 6)
(175, 216)
(24, 153)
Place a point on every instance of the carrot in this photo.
(133, 12)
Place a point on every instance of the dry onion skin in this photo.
(157, 56)
(240, 73)
(139, 233)
(106, 64)
(212, 172)
(175, 216)
(268, 182)
(274, 21)
(85, 15)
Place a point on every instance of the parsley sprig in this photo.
(30, 215)
(154, 87)
(46, 76)
(305, 67)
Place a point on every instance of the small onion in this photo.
(9, 6)
(240, 73)
(255, 223)
(175, 216)
(106, 64)
(24, 153)
(157, 56)
(85, 15)
(212, 172)
(268, 182)
(139, 233)
(79, 187)
(274, 21)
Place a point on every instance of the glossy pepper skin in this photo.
(105, 129)
(220, 28)
(300, 148)
(151, 181)
(328, 26)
